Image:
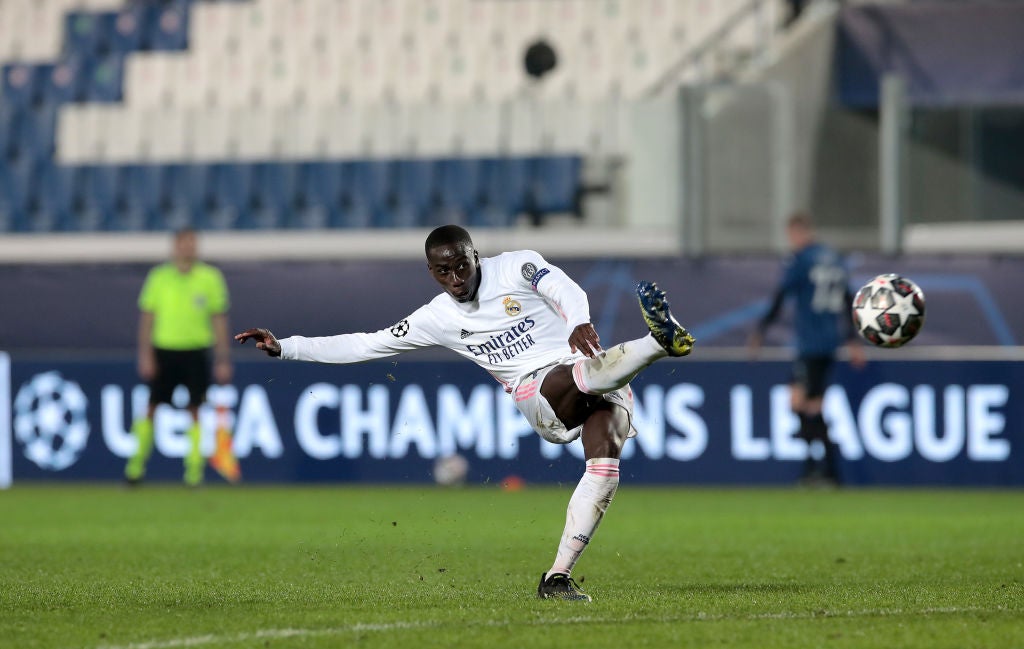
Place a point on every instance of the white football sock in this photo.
(615, 367)
(586, 507)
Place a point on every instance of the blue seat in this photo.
(32, 137)
(555, 183)
(20, 85)
(135, 198)
(94, 199)
(183, 196)
(459, 185)
(57, 194)
(319, 194)
(168, 30)
(15, 185)
(414, 196)
(131, 27)
(88, 33)
(65, 81)
(368, 187)
(225, 196)
(272, 196)
(105, 82)
(505, 185)
(10, 123)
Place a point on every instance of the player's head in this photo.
(453, 262)
(799, 230)
(186, 246)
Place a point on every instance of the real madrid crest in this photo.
(512, 307)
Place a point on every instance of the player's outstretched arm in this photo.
(264, 340)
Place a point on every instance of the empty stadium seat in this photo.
(554, 184)
(20, 85)
(368, 187)
(272, 195)
(15, 183)
(223, 195)
(505, 182)
(414, 194)
(57, 194)
(169, 28)
(87, 34)
(139, 204)
(105, 80)
(65, 81)
(459, 186)
(131, 27)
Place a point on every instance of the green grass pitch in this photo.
(163, 567)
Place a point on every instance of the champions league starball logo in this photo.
(50, 421)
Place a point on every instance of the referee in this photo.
(184, 306)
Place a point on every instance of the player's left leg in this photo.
(195, 464)
(604, 433)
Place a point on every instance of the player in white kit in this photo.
(528, 324)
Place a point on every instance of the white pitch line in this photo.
(278, 634)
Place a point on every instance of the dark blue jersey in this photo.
(818, 282)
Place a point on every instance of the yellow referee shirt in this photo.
(183, 304)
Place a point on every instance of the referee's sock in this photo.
(142, 429)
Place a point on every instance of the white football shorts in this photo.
(541, 416)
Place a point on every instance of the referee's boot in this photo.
(672, 336)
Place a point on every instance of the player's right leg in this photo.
(672, 336)
(615, 367)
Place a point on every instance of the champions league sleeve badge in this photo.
(400, 329)
(529, 270)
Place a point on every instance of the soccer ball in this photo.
(450, 470)
(889, 310)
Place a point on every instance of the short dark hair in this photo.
(447, 234)
(800, 220)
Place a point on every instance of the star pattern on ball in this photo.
(869, 314)
(904, 306)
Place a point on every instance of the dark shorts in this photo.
(190, 368)
(812, 372)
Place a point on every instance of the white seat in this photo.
(77, 137)
(478, 129)
(209, 133)
(121, 129)
(150, 78)
(254, 133)
(523, 128)
(164, 134)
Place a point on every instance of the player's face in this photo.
(457, 268)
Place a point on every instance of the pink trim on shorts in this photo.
(577, 377)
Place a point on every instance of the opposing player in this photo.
(528, 324)
(817, 280)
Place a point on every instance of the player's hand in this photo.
(584, 338)
(265, 340)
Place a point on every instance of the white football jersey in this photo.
(521, 319)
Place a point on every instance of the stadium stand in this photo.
(253, 114)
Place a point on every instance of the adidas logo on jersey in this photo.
(465, 334)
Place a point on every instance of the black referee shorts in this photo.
(812, 372)
(190, 368)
